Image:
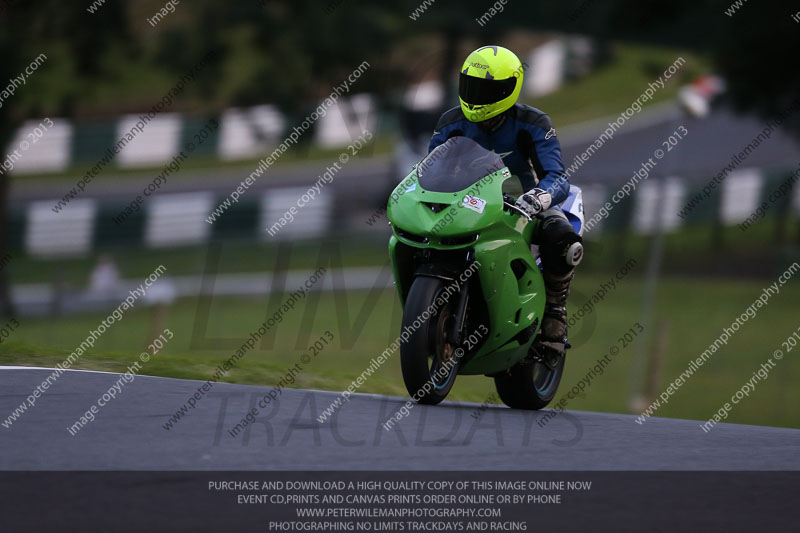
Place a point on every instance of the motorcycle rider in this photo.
(523, 136)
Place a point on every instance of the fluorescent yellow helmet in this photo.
(490, 82)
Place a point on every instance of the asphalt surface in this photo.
(128, 433)
(706, 149)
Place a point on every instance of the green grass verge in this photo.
(611, 89)
(235, 257)
(695, 312)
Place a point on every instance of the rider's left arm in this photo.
(544, 152)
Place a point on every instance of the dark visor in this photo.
(481, 91)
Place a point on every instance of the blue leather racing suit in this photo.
(526, 141)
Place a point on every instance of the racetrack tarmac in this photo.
(129, 433)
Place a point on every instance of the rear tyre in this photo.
(532, 383)
(429, 363)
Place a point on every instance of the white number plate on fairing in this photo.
(474, 203)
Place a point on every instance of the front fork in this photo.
(456, 333)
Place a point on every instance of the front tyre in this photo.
(428, 361)
(530, 384)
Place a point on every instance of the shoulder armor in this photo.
(531, 115)
(451, 116)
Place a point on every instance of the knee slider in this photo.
(574, 254)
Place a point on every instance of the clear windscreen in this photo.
(456, 165)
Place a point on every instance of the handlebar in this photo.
(510, 202)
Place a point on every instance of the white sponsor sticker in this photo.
(474, 203)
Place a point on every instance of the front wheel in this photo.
(530, 384)
(428, 361)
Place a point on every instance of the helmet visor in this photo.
(482, 91)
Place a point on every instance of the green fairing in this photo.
(503, 236)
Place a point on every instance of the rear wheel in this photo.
(532, 383)
(428, 361)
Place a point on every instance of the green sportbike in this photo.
(471, 290)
